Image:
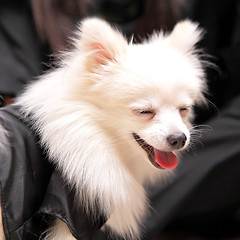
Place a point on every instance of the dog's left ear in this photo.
(100, 44)
(185, 35)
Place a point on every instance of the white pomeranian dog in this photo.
(114, 114)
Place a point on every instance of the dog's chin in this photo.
(159, 159)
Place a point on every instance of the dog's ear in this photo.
(186, 35)
(100, 44)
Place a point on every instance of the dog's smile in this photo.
(159, 159)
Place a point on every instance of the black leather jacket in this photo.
(33, 192)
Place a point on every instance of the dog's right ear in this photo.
(185, 35)
(100, 44)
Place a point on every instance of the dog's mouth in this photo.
(159, 159)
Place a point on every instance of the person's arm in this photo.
(2, 237)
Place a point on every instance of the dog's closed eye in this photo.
(145, 113)
(184, 111)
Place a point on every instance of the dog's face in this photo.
(162, 121)
(163, 109)
(146, 92)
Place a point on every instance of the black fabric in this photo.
(32, 191)
(59, 202)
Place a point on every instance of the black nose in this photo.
(177, 140)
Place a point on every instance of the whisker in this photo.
(214, 107)
(196, 134)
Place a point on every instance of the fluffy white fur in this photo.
(87, 109)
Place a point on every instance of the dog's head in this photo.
(146, 91)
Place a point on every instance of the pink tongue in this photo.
(165, 159)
